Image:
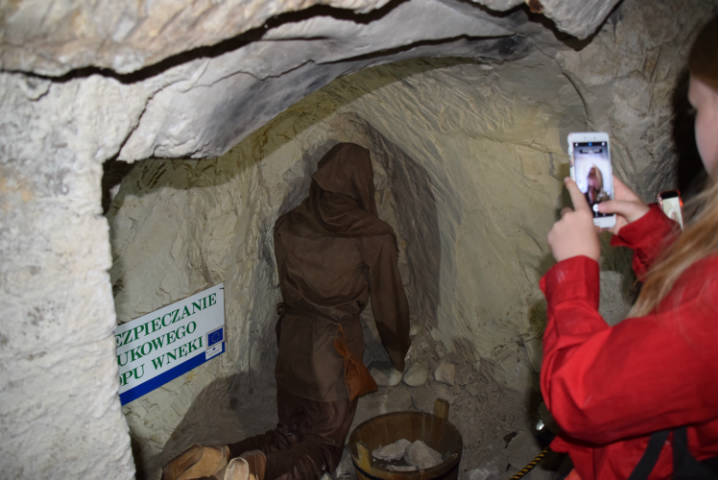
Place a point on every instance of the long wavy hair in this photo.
(700, 237)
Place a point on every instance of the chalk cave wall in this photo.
(469, 158)
(444, 137)
(467, 136)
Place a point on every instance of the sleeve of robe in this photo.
(388, 300)
(604, 383)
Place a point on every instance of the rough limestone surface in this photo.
(416, 374)
(65, 35)
(60, 417)
(445, 372)
(564, 14)
(197, 114)
(469, 156)
(444, 137)
(439, 154)
(627, 77)
(56, 37)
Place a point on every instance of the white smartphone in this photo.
(590, 156)
(671, 203)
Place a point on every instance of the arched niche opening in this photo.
(468, 161)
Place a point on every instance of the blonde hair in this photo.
(697, 241)
(700, 238)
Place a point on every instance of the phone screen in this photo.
(593, 173)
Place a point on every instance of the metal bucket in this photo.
(435, 430)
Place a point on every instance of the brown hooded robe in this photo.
(333, 253)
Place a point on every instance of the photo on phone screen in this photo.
(593, 173)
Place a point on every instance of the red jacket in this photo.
(609, 387)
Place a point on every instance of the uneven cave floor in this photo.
(494, 422)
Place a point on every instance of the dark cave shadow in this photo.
(113, 171)
(690, 174)
(157, 170)
(576, 44)
(532, 10)
(227, 410)
(557, 463)
(537, 323)
(358, 84)
(417, 224)
(146, 176)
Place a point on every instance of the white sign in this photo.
(164, 344)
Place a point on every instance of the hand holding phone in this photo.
(590, 157)
(574, 234)
(627, 206)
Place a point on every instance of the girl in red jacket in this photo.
(640, 399)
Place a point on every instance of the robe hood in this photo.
(341, 197)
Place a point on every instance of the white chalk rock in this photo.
(416, 375)
(385, 375)
(392, 452)
(445, 373)
(422, 456)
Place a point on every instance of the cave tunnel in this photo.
(147, 152)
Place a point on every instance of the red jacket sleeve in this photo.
(647, 236)
(648, 373)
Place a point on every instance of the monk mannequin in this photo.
(333, 253)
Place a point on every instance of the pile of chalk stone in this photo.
(406, 456)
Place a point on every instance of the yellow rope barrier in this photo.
(529, 466)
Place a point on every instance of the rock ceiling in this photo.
(205, 74)
(128, 36)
